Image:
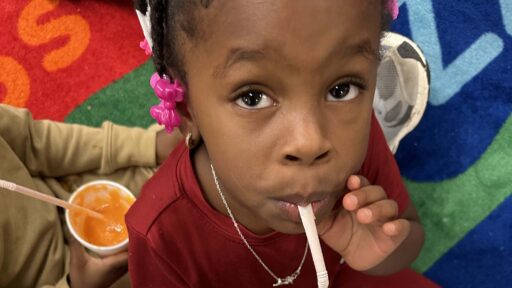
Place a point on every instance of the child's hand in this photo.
(367, 230)
(88, 271)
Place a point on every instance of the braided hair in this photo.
(170, 17)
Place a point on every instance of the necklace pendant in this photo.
(286, 281)
(279, 281)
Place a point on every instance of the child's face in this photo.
(281, 92)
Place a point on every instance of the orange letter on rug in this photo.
(74, 26)
(16, 81)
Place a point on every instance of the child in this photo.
(277, 113)
(55, 158)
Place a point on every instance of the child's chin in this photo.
(289, 227)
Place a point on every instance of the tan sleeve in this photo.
(63, 283)
(55, 149)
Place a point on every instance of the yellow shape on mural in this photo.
(73, 26)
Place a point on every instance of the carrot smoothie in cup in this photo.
(112, 200)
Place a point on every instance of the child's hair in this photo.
(167, 16)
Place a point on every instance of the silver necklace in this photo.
(279, 281)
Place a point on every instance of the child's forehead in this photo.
(288, 12)
(269, 28)
(363, 48)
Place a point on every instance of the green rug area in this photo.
(451, 208)
(125, 101)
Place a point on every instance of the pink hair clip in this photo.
(393, 8)
(169, 93)
(144, 45)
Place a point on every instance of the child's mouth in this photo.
(290, 211)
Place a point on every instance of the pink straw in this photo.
(48, 199)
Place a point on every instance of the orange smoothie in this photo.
(109, 201)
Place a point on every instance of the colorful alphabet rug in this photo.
(80, 61)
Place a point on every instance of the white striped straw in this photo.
(308, 221)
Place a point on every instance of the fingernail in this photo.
(356, 181)
(367, 213)
(391, 228)
(352, 200)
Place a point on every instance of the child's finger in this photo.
(116, 261)
(78, 253)
(113, 267)
(363, 197)
(397, 228)
(381, 211)
(355, 182)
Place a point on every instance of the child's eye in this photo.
(343, 92)
(254, 100)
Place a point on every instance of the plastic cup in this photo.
(103, 237)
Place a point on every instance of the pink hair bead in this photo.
(144, 45)
(393, 8)
(169, 93)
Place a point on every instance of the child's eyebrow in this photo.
(366, 49)
(363, 48)
(235, 56)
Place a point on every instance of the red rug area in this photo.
(54, 54)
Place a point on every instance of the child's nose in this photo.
(306, 144)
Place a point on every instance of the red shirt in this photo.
(178, 240)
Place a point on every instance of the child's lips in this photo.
(291, 210)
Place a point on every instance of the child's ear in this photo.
(188, 125)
